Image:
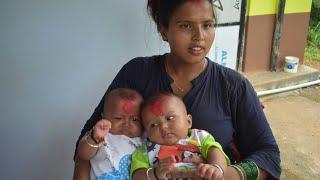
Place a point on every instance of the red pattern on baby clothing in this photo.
(176, 150)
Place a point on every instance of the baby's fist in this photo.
(101, 129)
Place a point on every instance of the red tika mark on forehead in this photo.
(156, 107)
(127, 103)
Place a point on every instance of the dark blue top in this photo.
(221, 102)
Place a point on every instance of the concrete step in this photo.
(272, 80)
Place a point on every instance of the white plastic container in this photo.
(291, 64)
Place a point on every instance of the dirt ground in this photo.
(295, 120)
(312, 63)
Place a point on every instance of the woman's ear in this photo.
(189, 119)
(163, 32)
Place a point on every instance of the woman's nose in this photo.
(197, 33)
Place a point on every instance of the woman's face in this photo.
(191, 31)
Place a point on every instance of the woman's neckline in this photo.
(196, 80)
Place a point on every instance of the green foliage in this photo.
(316, 3)
(315, 13)
(314, 28)
(312, 51)
(314, 36)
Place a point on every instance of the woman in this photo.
(219, 99)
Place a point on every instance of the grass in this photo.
(314, 34)
(312, 50)
(312, 56)
(312, 53)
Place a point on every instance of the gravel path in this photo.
(295, 120)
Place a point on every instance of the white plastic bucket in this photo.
(291, 64)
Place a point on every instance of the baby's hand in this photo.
(165, 168)
(101, 129)
(209, 172)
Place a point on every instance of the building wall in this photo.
(57, 58)
(261, 18)
(294, 36)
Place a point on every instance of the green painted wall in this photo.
(265, 7)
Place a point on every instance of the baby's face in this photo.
(166, 121)
(124, 115)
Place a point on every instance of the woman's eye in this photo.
(135, 119)
(185, 26)
(117, 118)
(208, 25)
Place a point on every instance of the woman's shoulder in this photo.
(144, 62)
(227, 75)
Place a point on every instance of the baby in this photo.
(170, 140)
(113, 139)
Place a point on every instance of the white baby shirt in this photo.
(112, 162)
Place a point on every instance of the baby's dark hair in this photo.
(158, 96)
(162, 10)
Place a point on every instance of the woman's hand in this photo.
(101, 129)
(209, 172)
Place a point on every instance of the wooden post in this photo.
(242, 35)
(277, 37)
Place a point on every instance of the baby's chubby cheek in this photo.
(135, 130)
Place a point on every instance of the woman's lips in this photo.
(196, 50)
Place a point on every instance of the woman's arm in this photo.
(253, 136)
(215, 156)
(81, 169)
(215, 167)
(232, 173)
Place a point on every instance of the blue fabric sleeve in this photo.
(253, 136)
